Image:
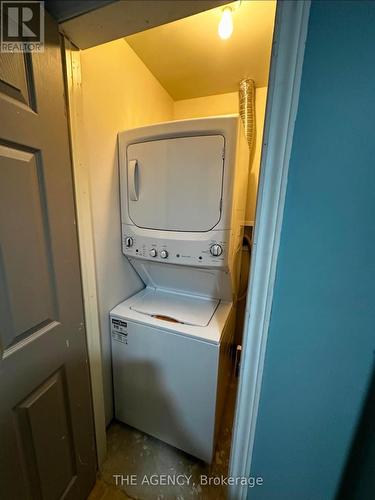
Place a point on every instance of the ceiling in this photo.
(190, 60)
(93, 22)
(61, 10)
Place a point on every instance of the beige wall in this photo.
(224, 104)
(119, 92)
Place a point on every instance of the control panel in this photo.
(199, 251)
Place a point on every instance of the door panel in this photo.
(46, 428)
(177, 183)
(43, 424)
(16, 77)
(26, 288)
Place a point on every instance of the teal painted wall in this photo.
(320, 350)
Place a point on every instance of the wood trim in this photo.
(86, 244)
(283, 95)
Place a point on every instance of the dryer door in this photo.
(176, 184)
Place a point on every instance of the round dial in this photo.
(164, 254)
(153, 252)
(129, 242)
(216, 250)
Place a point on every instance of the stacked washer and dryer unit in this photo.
(183, 188)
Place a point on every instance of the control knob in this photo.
(164, 254)
(216, 250)
(153, 252)
(128, 242)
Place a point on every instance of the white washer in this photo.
(171, 358)
(183, 195)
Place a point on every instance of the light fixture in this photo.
(225, 28)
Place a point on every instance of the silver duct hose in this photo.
(247, 111)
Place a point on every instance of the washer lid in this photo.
(176, 307)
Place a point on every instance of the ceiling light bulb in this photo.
(225, 29)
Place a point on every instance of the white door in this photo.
(176, 184)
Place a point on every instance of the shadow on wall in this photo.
(358, 481)
(252, 191)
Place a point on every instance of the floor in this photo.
(133, 452)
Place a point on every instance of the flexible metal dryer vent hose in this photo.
(247, 110)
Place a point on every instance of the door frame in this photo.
(282, 102)
(81, 180)
(288, 50)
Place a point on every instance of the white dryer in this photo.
(183, 187)
(183, 191)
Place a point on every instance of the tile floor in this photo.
(133, 452)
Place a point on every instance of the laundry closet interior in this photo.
(168, 136)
